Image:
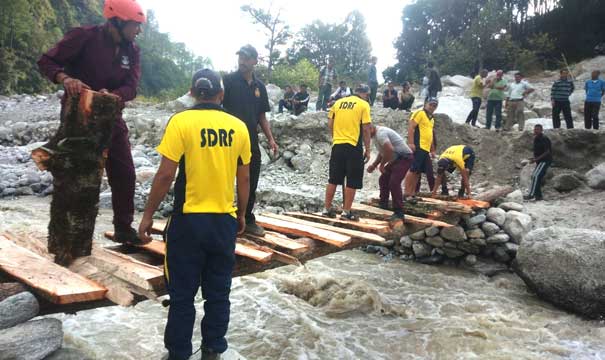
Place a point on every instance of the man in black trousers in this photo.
(543, 159)
(559, 95)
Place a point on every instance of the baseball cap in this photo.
(362, 89)
(248, 51)
(206, 83)
(432, 100)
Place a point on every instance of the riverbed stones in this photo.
(501, 238)
(478, 241)
(418, 236)
(565, 267)
(406, 242)
(421, 249)
(517, 225)
(511, 248)
(17, 309)
(566, 182)
(32, 340)
(470, 260)
(467, 247)
(501, 255)
(496, 216)
(435, 241)
(432, 231)
(453, 253)
(490, 228)
(475, 234)
(508, 206)
(454, 233)
(596, 177)
(476, 220)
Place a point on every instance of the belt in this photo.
(515, 99)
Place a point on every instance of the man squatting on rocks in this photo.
(420, 140)
(459, 157)
(393, 161)
(211, 149)
(246, 98)
(349, 120)
(543, 159)
(104, 58)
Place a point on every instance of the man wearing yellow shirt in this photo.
(349, 120)
(461, 157)
(420, 140)
(211, 149)
(476, 96)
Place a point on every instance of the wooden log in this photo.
(330, 237)
(381, 214)
(10, 289)
(419, 209)
(18, 309)
(275, 240)
(75, 159)
(373, 226)
(369, 238)
(491, 195)
(51, 281)
(34, 339)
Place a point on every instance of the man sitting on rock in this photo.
(543, 159)
(286, 102)
(389, 97)
(300, 100)
(393, 161)
(342, 91)
(461, 157)
(406, 99)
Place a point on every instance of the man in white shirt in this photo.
(515, 104)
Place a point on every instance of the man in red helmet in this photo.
(105, 58)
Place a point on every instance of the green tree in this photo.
(302, 73)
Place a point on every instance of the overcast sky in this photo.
(216, 29)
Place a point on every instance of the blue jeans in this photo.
(200, 250)
(493, 105)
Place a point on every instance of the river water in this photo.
(349, 305)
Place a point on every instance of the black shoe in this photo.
(527, 197)
(397, 215)
(384, 206)
(538, 198)
(253, 228)
(331, 213)
(349, 216)
(128, 237)
(411, 199)
(208, 354)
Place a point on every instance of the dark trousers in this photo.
(535, 190)
(200, 250)
(255, 163)
(493, 106)
(430, 178)
(284, 104)
(407, 102)
(299, 108)
(591, 115)
(373, 90)
(390, 182)
(391, 103)
(324, 95)
(556, 114)
(472, 116)
(121, 176)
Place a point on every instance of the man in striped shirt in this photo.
(559, 96)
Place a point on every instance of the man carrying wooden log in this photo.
(349, 121)
(461, 157)
(394, 160)
(105, 58)
(211, 149)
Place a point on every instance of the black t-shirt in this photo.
(246, 101)
(303, 97)
(393, 92)
(542, 145)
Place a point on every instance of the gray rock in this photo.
(406, 242)
(264, 157)
(301, 162)
(468, 247)
(32, 340)
(508, 206)
(566, 182)
(432, 231)
(498, 239)
(478, 242)
(470, 260)
(421, 249)
(17, 309)
(9, 192)
(517, 225)
(515, 196)
(24, 190)
(511, 248)
(497, 216)
(453, 233)
(418, 236)
(488, 267)
(490, 228)
(565, 267)
(501, 255)
(453, 253)
(475, 234)
(287, 155)
(596, 177)
(476, 220)
(435, 241)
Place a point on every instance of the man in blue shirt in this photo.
(595, 89)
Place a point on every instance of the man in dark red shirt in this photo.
(105, 58)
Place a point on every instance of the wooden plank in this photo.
(385, 214)
(276, 255)
(118, 291)
(158, 227)
(252, 253)
(140, 274)
(330, 237)
(366, 237)
(280, 241)
(50, 280)
(475, 204)
(379, 227)
(448, 205)
(154, 246)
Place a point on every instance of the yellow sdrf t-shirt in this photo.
(349, 113)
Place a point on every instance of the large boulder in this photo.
(17, 309)
(32, 340)
(457, 80)
(274, 93)
(497, 216)
(596, 177)
(565, 267)
(517, 225)
(566, 182)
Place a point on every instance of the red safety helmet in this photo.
(126, 10)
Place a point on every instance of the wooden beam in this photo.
(447, 206)
(366, 237)
(475, 204)
(154, 246)
(50, 280)
(379, 227)
(275, 255)
(378, 213)
(252, 253)
(277, 240)
(330, 237)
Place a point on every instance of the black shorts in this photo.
(421, 160)
(444, 165)
(346, 161)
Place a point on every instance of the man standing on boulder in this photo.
(393, 161)
(515, 104)
(476, 96)
(595, 89)
(543, 159)
(461, 157)
(373, 79)
(495, 97)
(327, 77)
(246, 98)
(349, 121)
(559, 96)
(105, 58)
